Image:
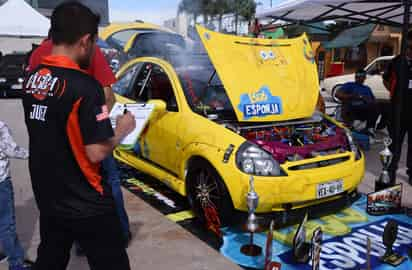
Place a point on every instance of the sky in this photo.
(155, 11)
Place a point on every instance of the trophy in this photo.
(252, 224)
(301, 249)
(384, 180)
(390, 234)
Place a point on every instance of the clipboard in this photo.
(141, 112)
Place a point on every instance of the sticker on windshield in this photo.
(260, 104)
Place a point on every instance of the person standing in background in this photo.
(391, 82)
(8, 235)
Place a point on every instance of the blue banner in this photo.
(343, 247)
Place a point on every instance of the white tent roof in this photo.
(18, 18)
(374, 11)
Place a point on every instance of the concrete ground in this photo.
(158, 243)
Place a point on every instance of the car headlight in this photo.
(3, 80)
(251, 159)
(20, 80)
(353, 146)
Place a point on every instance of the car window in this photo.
(378, 67)
(152, 82)
(118, 40)
(124, 84)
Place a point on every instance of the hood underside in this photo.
(266, 80)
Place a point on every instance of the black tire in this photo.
(333, 93)
(202, 173)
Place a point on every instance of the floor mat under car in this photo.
(344, 241)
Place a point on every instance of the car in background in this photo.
(12, 68)
(131, 40)
(374, 73)
(234, 112)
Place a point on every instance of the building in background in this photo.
(179, 24)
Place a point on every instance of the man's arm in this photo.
(99, 151)
(344, 93)
(109, 97)
(386, 77)
(9, 146)
(104, 74)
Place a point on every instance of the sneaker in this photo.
(3, 257)
(127, 239)
(23, 266)
(79, 250)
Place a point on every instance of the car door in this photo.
(374, 78)
(160, 141)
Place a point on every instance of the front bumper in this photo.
(299, 188)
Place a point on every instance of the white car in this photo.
(374, 79)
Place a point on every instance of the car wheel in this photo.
(205, 184)
(333, 93)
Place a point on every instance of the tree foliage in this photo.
(245, 9)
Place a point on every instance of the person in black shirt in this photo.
(69, 135)
(391, 82)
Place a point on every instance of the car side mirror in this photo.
(160, 108)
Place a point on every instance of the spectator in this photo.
(74, 199)
(8, 235)
(358, 102)
(391, 82)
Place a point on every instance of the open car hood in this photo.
(265, 79)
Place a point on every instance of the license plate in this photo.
(330, 189)
(17, 87)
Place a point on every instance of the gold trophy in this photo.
(383, 180)
(252, 224)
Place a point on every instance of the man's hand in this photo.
(125, 124)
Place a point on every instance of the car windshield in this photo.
(202, 86)
(12, 64)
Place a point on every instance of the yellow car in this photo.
(139, 38)
(238, 107)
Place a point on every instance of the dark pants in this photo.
(366, 112)
(406, 127)
(101, 238)
(112, 176)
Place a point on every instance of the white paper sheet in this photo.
(141, 113)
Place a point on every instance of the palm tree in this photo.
(192, 7)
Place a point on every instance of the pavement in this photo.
(158, 243)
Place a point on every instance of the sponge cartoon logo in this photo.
(42, 84)
(308, 52)
(260, 104)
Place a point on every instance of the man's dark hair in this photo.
(360, 73)
(72, 20)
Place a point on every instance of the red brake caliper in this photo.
(212, 217)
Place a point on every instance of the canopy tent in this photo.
(395, 13)
(390, 12)
(19, 19)
(351, 37)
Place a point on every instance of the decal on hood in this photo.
(260, 104)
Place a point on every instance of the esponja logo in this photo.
(350, 251)
(260, 104)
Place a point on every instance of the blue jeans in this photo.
(112, 176)
(8, 235)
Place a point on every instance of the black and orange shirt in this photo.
(64, 111)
